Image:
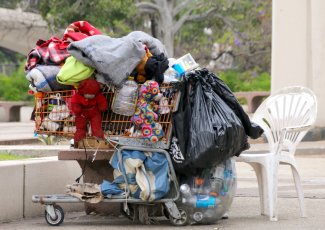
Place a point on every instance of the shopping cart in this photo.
(52, 117)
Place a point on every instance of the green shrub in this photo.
(15, 87)
(246, 81)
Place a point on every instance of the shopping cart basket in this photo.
(53, 116)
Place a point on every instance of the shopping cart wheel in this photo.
(56, 217)
(181, 221)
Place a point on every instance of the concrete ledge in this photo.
(34, 150)
(11, 192)
(10, 110)
(19, 180)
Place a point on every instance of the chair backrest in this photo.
(293, 106)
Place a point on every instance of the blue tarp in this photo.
(147, 173)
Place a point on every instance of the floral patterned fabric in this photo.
(147, 110)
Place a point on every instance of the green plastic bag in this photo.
(73, 71)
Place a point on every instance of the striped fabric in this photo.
(147, 173)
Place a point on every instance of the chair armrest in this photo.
(295, 128)
(289, 129)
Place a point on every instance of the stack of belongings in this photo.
(83, 54)
(45, 61)
(42, 67)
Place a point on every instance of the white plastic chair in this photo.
(285, 116)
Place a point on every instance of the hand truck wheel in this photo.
(182, 221)
(56, 218)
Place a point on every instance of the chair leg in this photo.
(259, 175)
(299, 189)
(272, 188)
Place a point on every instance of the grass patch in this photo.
(8, 157)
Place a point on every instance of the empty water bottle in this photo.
(217, 178)
(228, 176)
(125, 98)
(186, 191)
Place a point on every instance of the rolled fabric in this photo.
(43, 77)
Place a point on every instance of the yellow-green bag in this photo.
(73, 71)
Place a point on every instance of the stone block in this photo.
(25, 113)
(11, 190)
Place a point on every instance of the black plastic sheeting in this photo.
(210, 124)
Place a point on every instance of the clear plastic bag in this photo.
(207, 197)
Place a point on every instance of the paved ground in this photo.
(244, 213)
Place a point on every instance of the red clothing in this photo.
(54, 51)
(50, 52)
(77, 31)
(88, 109)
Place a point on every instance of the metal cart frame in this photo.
(54, 214)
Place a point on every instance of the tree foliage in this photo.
(14, 87)
(108, 15)
(220, 34)
(242, 29)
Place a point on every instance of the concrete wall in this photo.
(298, 47)
(15, 24)
(19, 180)
(11, 191)
(25, 113)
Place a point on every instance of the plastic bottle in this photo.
(204, 201)
(217, 178)
(228, 180)
(201, 201)
(186, 191)
(125, 98)
(197, 216)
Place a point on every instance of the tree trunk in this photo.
(168, 41)
(166, 34)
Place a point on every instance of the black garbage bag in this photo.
(210, 124)
(216, 133)
(182, 119)
(252, 130)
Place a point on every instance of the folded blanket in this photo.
(154, 45)
(79, 30)
(43, 77)
(50, 52)
(113, 58)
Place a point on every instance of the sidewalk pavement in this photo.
(245, 211)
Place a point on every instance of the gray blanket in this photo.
(113, 58)
(154, 45)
